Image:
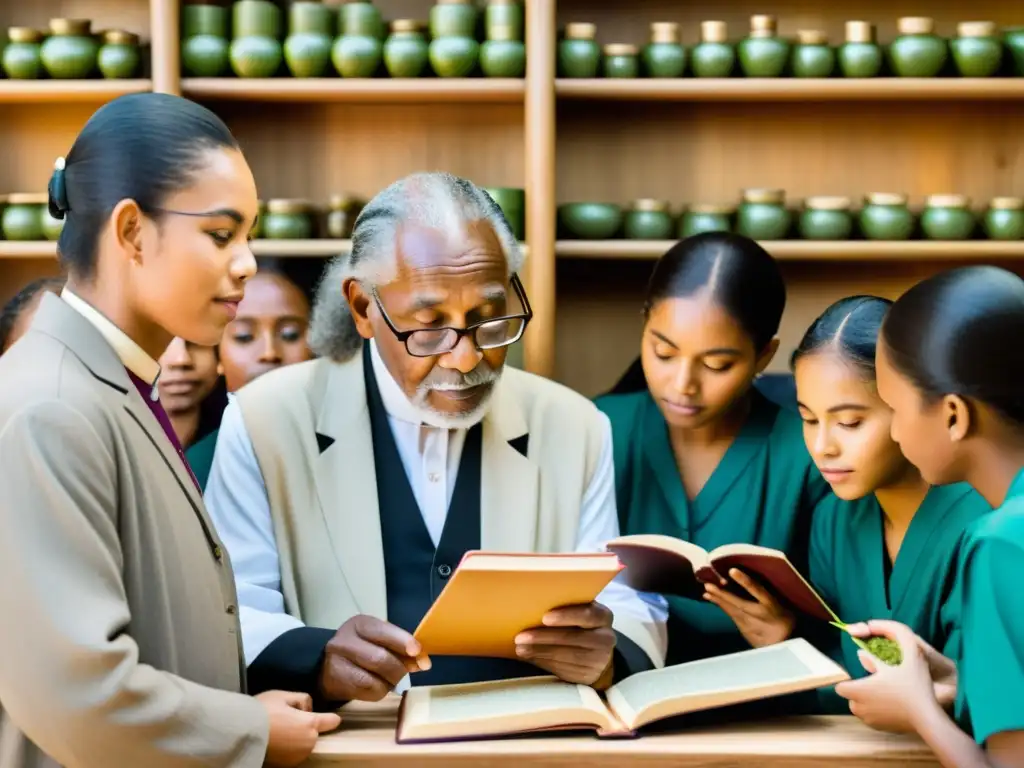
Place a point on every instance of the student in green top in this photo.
(950, 365)
(882, 545)
(699, 453)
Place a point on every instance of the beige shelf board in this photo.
(17, 249)
(67, 91)
(383, 90)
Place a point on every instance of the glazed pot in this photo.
(977, 51)
(812, 55)
(590, 221)
(512, 201)
(288, 220)
(118, 57)
(341, 216)
(917, 51)
(648, 220)
(453, 18)
(713, 56)
(1004, 219)
(205, 56)
(763, 215)
(885, 216)
(204, 19)
(357, 55)
(620, 61)
(504, 13)
(947, 217)
(255, 56)
(361, 18)
(454, 56)
(1013, 39)
(763, 53)
(502, 55)
(405, 50)
(699, 219)
(307, 49)
(261, 213)
(255, 18)
(22, 59)
(826, 218)
(578, 52)
(51, 227)
(860, 55)
(22, 217)
(664, 56)
(70, 52)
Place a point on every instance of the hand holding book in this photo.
(574, 643)
(762, 620)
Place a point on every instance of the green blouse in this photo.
(200, 457)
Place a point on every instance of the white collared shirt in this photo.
(132, 356)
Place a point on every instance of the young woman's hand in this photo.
(294, 727)
(762, 621)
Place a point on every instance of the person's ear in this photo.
(359, 303)
(127, 229)
(957, 414)
(766, 356)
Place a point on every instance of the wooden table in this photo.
(367, 739)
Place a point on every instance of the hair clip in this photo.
(58, 197)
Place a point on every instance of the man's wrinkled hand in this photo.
(367, 658)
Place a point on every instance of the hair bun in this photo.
(57, 190)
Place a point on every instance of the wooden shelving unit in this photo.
(682, 140)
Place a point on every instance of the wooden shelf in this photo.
(810, 250)
(411, 90)
(17, 249)
(68, 91)
(790, 89)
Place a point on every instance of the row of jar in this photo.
(763, 215)
(67, 50)
(978, 50)
(363, 47)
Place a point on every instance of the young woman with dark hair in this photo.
(950, 366)
(19, 311)
(121, 642)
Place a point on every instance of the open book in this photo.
(493, 596)
(671, 566)
(507, 707)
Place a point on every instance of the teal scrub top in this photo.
(762, 492)
(200, 457)
(850, 568)
(990, 685)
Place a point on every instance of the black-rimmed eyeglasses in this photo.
(487, 334)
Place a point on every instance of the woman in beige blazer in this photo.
(119, 637)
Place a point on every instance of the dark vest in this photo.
(415, 571)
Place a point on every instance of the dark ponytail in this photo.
(960, 332)
(849, 328)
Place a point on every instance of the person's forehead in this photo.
(470, 246)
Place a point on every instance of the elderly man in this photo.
(348, 488)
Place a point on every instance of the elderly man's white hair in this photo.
(437, 200)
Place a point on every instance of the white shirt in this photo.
(236, 499)
(132, 356)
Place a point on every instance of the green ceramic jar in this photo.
(664, 56)
(51, 227)
(22, 217)
(288, 220)
(860, 55)
(647, 220)
(70, 52)
(256, 50)
(361, 18)
(453, 18)
(763, 53)
(812, 55)
(119, 55)
(917, 51)
(763, 215)
(947, 217)
(502, 55)
(826, 218)
(405, 50)
(977, 51)
(1013, 39)
(307, 49)
(590, 221)
(885, 216)
(261, 213)
(205, 56)
(255, 18)
(512, 201)
(204, 19)
(1004, 219)
(357, 55)
(504, 13)
(454, 56)
(699, 219)
(620, 61)
(341, 215)
(22, 59)
(713, 56)
(578, 52)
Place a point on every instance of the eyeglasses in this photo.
(487, 334)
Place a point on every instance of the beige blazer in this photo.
(119, 636)
(331, 554)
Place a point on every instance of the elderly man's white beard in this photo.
(442, 379)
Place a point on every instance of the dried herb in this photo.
(885, 650)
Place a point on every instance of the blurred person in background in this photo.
(191, 391)
(17, 313)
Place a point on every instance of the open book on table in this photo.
(524, 705)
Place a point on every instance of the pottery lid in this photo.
(503, 2)
(766, 196)
(713, 209)
(24, 35)
(340, 202)
(976, 29)
(762, 23)
(453, 2)
(280, 205)
(664, 32)
(1007, 203)
(811, 37)
(714, 31)
(71, 27)
(502, 32)
(650, 205)
(620, 49)
(407, 25)
(28, 198)
(947, 201)
(885, 198)
(827, 203)
(120, 37)
(860, 32)
(915, 25)
(581, 30)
